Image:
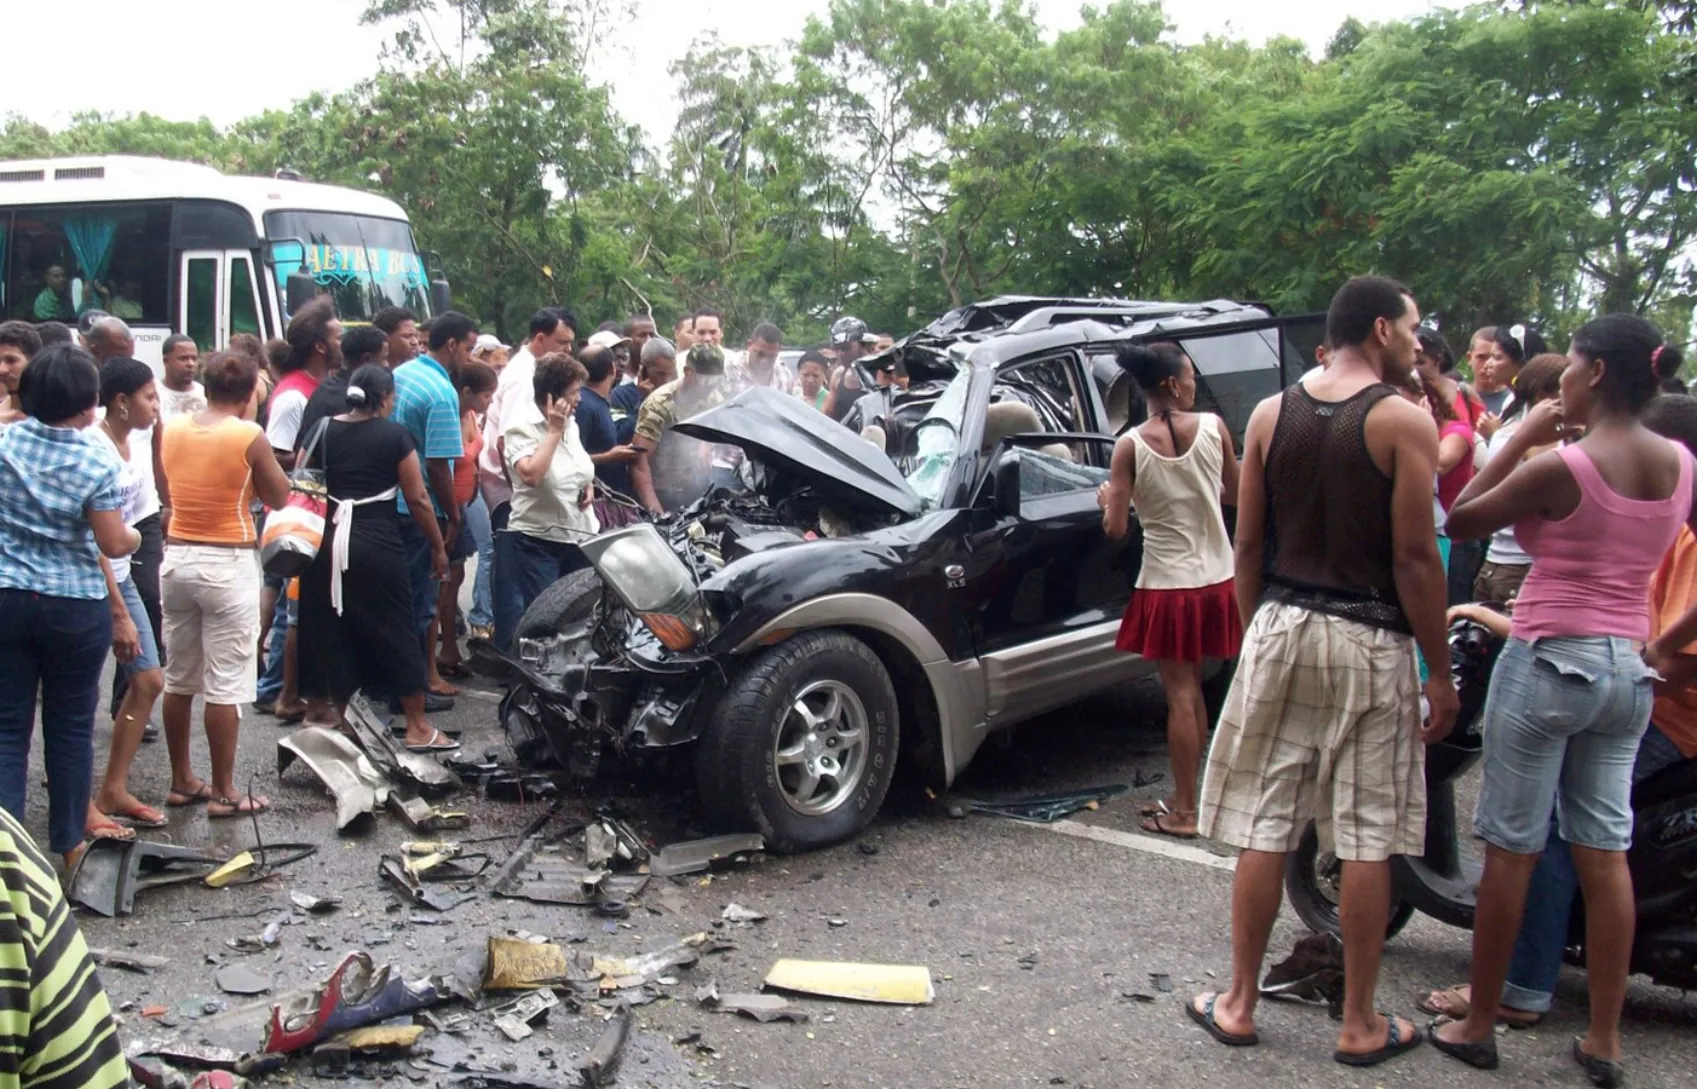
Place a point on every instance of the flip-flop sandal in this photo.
(109, 829)
(1480, 1056)
(233, 807)
(1394, 1045)
(439, 742)
(199, 797)
(1605, 1073)
(1154, 809)
(141, 816)
(1205, 1018)
(458, 671)
(447, 691)
(1457, 998)
(1154, 826)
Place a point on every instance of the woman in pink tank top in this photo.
(1176, 469)
(1570, 696)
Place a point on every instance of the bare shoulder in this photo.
(1397, 419)
(1261, 423)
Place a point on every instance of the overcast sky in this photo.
(228, 59)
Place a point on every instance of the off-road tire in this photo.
(734, 767)
(568, 601)
(1313, 906)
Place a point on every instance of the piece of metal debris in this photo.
(903, 985)
(736, 913)
(127, 960)
(314, 905)
(111, 872)
(696, 855)
(342, 767)
(392, 868)
(241, 980)
(421, 816)
(761, 1007)
(515, 1018)
(422, 771)
(1162, 981)
(237, 869)
(603, 1061)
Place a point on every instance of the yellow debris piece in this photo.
(231, 871)
(903, 985)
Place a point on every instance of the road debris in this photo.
(1048, 808)
(383, 1038)
(239, 979)
(356, 994)
(603, 1061)
(902, 985)
(1162, 981)
(737, 915)
(520, 787)
(239, 868)
(111, 872)
(697, 855)
(515, 1018)
(421, 816)
(314, 905)
(516, 964)
(344, 769)
(761, 1007)
(129, 961)
(1312, 973)
(396, 872)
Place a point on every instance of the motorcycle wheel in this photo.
(1312, 880)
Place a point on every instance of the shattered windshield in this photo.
(936, 443)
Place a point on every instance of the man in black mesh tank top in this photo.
(1338, 578)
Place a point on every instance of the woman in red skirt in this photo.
(1176, 470)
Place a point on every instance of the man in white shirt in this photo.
(179, 393)
(552, 329)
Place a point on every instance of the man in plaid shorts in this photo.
(1338, 577)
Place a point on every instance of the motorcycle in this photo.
(1443, 883)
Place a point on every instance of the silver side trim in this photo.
(957, 687)
(1025, 681)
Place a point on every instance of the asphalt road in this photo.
(1034, 938)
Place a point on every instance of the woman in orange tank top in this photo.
(215, 461)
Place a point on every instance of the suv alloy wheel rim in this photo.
(820, 753)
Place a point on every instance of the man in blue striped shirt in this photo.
(428, 406)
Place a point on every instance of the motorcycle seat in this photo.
(1675, 781)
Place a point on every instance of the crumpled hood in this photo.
(789, 435)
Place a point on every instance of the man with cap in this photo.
(671, 470)
(851, 341)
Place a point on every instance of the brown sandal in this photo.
(1157, 825)
(1454, 1003)
(245, 806)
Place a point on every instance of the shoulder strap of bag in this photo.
(310, 448)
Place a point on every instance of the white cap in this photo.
(606, 338)
(488, 342)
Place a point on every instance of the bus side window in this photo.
(200, 288)
(244, 312)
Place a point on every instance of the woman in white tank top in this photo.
(1176, 469)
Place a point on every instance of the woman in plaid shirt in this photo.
(60, 514)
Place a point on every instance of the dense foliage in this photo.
(1523, 161)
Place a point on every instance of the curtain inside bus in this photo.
(91, 238)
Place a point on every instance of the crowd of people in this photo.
(1378, 499)
(135, 508)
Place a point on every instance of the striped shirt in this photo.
(428, 406)
(50, 478)
(56, 1028)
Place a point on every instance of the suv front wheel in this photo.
(803, 744)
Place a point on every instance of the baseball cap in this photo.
(606, 338)
(487, 342)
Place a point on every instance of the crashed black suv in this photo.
(889, 591)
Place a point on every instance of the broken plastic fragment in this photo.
(897, 984)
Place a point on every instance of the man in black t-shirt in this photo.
(366, 344)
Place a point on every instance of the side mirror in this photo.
(300, 289)
(1005, 499)
(441, 297)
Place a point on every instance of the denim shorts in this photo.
(1563, 720)
(149, 656)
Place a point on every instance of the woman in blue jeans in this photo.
(1570, 695)
(131, 402)
(60, 513)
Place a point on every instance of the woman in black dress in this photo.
(355, 600)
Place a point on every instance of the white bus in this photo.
(180, 248)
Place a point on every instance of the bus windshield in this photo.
(362, 262)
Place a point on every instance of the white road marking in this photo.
(1151, 845)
